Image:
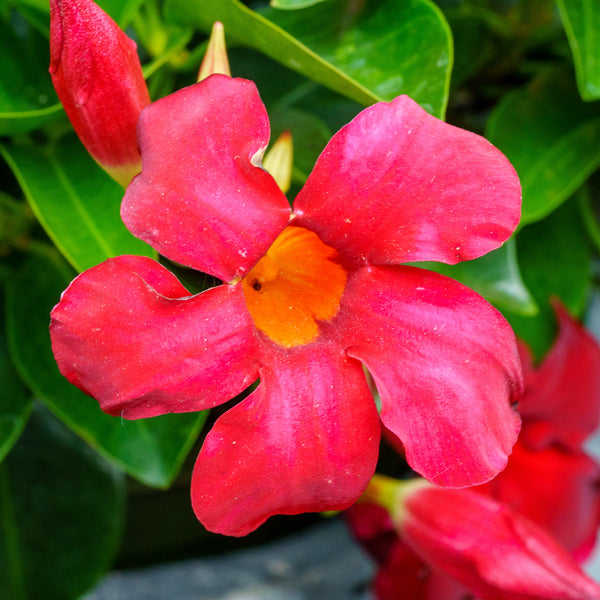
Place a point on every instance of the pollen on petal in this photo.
(294, 286)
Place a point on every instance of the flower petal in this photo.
(129, 334)
(306, 440)
(562, 399)
(495, 552)
(555, 488)
(398, 185)
(201, 199)
(445, 363)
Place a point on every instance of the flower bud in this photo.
(98, 77)
(279, 159)
(215, 59)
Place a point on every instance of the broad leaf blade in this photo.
(27, 98)
(551, 138)
(581, 19)
(75, 200)
(61, 514)
(151, 450)
(386, 49)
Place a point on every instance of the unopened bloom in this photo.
(309, 297)
(98, 77)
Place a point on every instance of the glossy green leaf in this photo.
(61, 514)
(554, 256)
(495, 276)
(581, 19)
(151, 450)
(15, 399)
(75, 200)
(387, 48)
(551, 138)
(27, 98)
(294, 4)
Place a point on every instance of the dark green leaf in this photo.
(581, 19)
(75, 200)
(369, 51)
(151, 450)
(495, 276)
(551, 138)
(15, 399)
(27, 98)
(61, 514)
(554, 257)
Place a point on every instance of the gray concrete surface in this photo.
(320, 563)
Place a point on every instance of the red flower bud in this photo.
(98, 77)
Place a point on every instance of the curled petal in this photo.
(398, 185)
(562, 399)
(446, 365)
(129, 334)
(306, 440)
(202, 199)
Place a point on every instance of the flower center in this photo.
(294, 285)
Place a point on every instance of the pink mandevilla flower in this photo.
(310, 295)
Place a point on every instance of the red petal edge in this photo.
(398, 185)
(307, 439)
(129, 334)
(201, 199)
(446, 365)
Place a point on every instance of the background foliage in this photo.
(525, 73)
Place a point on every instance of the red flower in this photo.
(309, 297)
(98, 78)
(493, 551)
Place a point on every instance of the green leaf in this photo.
(551, 138)
(151, 450)
(75, 200)
(555, 258)
(495, 276)
(61, 514)
(581, 19)
(15, 399)
(293, 4)
(387, 48)
(27, 98)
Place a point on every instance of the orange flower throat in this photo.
(293, 286)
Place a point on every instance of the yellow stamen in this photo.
(296, 284)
